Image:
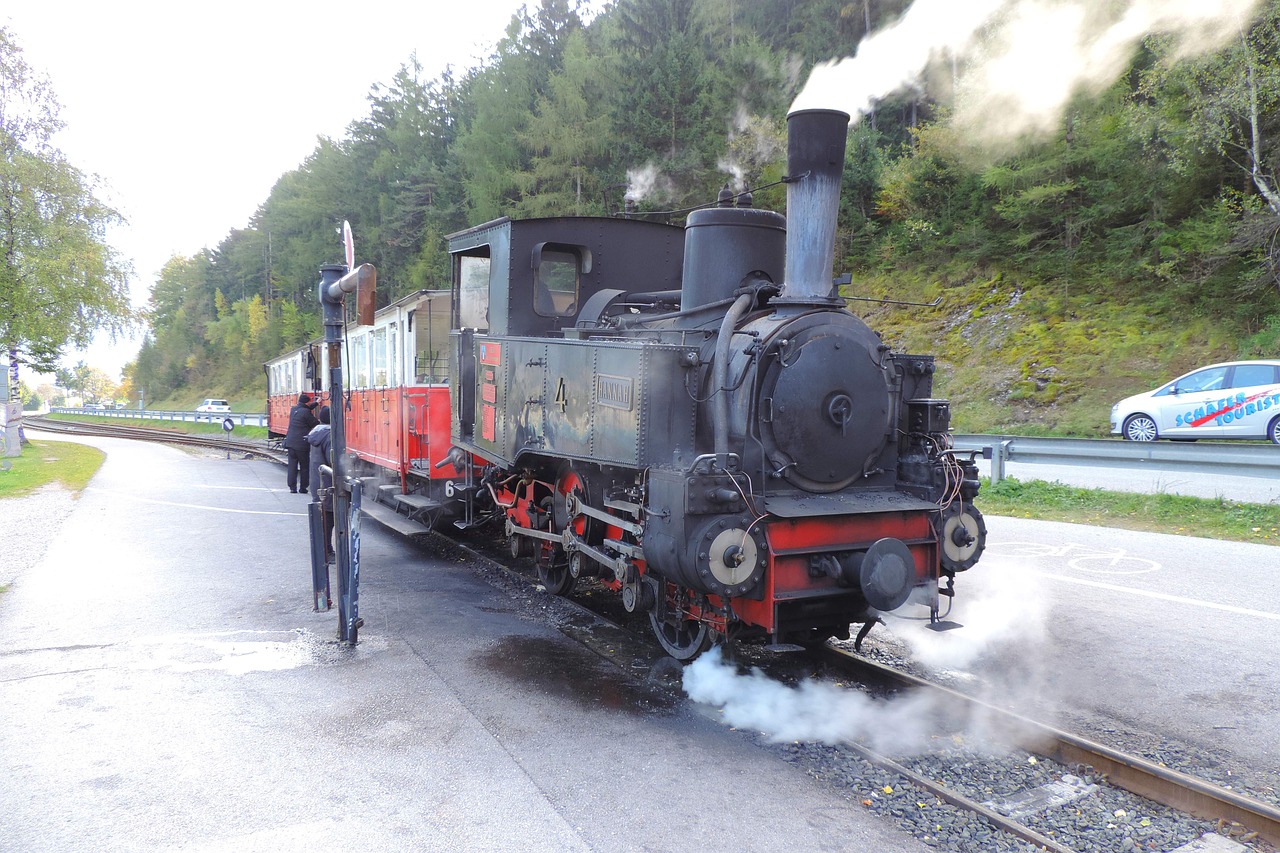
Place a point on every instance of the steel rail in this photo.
(942, 792)
(1137, 775)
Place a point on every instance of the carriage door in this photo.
(416, 431)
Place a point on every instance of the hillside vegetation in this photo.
(1134, 239)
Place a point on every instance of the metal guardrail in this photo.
(1257, 460)
(238, 418)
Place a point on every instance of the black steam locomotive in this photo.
(736, 455)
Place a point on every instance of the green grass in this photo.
(44, 462)
(1162, 513)
(187, 427)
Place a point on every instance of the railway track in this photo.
(1252, 819)
(1081, 768)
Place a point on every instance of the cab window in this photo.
(556, 273)
(473, 292)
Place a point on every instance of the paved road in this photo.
(165, 685)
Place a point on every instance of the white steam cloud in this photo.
(814, 711)
(1017, 62)
(1003, 629)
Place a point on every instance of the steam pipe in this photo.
(720, 378)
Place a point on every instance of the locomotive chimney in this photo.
(815, 167)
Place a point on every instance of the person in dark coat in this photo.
(321, 442)
(301, 422)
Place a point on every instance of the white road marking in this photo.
(194, 506)
(1163, 596)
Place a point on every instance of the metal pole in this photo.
(333, 289)
(332, 304)
(319, 565)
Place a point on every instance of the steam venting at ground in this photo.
(1003, 625)
(814, 711)
(1013, 65)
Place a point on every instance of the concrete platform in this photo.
(164, 684)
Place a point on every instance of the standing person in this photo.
(322, 484)
(301, 422)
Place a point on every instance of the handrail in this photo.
(1249, 458)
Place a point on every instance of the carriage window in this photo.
(555, 287)
(473, 279)
(431, 341)
(360, 361)
(393, 355)
(380, 357)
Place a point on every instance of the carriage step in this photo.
(388, 517)
(418, 502)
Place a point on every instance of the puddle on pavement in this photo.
(570, 672)
(244, 652)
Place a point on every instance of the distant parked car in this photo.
(1237, 399)
(212, 405)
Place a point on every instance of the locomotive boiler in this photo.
(692, 416)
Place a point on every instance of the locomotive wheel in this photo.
(572, 481)
(553, 572)
(962, 533)
(519, 546)
(684, 639)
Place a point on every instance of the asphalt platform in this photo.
(166, 685)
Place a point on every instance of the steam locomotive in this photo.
(736, 456)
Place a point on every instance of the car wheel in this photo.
(1140, 428)
(1273, 431)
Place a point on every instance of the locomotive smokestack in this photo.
(815, 167)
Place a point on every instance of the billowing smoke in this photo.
(1017, 62)
(1003, 610)
(814, 711)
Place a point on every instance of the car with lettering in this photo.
(1235, 399)
(212, 405)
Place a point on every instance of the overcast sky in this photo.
(190, 112)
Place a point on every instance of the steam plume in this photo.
(1018, 62)
(647, 182)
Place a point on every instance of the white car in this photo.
(213, 406)
(1236, 399)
